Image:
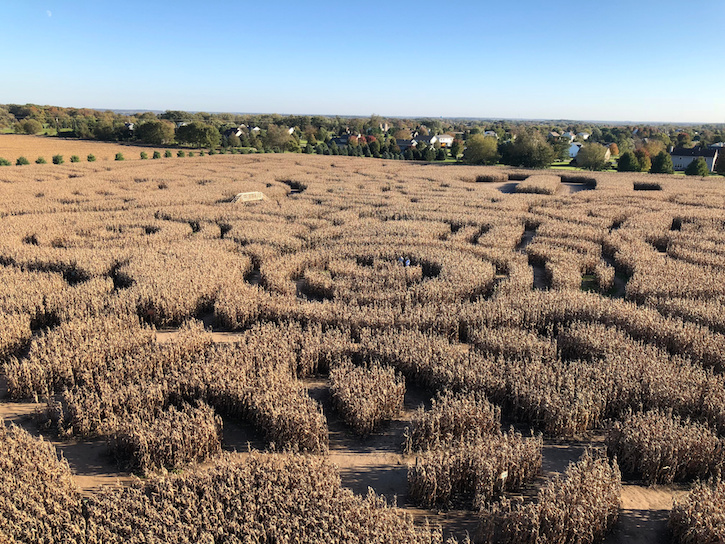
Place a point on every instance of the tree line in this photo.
(516, 143)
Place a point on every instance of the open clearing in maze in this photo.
(368, 324)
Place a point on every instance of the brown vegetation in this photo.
(368, 271)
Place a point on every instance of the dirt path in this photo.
(643, 515)
(89, 461)
(568, 188)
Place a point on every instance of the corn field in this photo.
(581, 508)
(701, 516)
(571, 314)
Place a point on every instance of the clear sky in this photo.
(636, 60)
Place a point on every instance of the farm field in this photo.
(378, 351)
(13, 146)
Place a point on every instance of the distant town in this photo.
(656, 148)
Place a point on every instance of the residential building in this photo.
(568, 136)
(683, 156)
(446, 140)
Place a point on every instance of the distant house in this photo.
(683, 156)
(291, 131)
(554, 135)
(129, 126)
(583, 135)
(568, 136)
(718, 145)
(405, 144)
(446, 140)
(491, 134)
(233, 132)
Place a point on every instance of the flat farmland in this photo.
(377, 351)
(13, 146)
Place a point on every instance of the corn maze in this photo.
(559, 310)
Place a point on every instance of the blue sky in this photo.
(647, 60)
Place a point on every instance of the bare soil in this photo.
(571, 188)
(643, 514)
(89, 461)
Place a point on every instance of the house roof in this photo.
(693, 152)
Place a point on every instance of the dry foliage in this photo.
(700, 517)
(663, 448)
(540, 184)
(174, 439)
(580, 509)
(38, 500)
(366, 396)
(477, 469)
(260, 498)
(452, 417)
(486, 301)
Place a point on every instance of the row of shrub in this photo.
(58, 159)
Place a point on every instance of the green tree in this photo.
(456, 148)
(22, 161)
(662, 164)
(233, 140)
(41, 160)
(75, 158)
(5, 162)
(167, 153)
(91, 157)
(698, 167)
(441, 154)
(592, 157)
(429, 154)
(144, 155)
(276, 137)
(292, 146)
(628, 162)
(481, 149)
(30, 126)
(180, 153)
(198, 134)
(684, 140)
(155, 132)
(561, 149)
(119, 156)
(156, 155)
(645, 163)
(530, 150)
(58, 159)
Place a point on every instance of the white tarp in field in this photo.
(249, 197)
